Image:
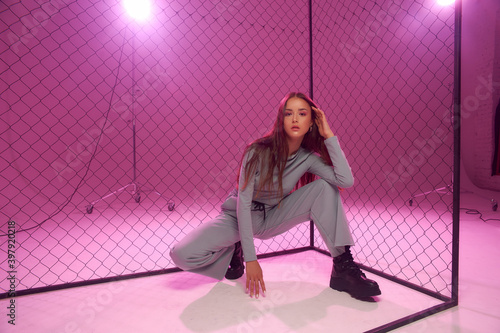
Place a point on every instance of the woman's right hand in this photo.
(255, 279)
(324, 129)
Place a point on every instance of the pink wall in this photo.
(387, 79)
(208, 80)
(208, 77)
(480, 92)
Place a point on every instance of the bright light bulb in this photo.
(139, 10)
(445, 2)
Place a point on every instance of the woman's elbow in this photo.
(347, 182)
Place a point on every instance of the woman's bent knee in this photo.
(178, 256)
(323, 185)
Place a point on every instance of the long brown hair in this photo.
(271, 151)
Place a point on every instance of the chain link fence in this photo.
(385, 71)
(119, 137)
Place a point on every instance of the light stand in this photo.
(136, 186)
(448, 189)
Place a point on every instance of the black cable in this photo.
(62, 206)
(472, 211)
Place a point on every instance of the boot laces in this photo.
(347, 263)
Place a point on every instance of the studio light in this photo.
(445, 2)
(139, 10)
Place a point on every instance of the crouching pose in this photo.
(287, 177)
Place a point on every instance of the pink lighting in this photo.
(445, 2)
(139, 10)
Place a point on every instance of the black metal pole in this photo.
(311, 93)
(457, 130)
(311, 90)
(133, 109)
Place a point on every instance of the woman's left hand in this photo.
(324, 129)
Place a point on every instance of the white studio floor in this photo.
(298, 297)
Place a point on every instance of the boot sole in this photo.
(340, 284)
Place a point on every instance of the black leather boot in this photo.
(236, 266)
(346, 276)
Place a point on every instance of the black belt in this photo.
(259, 207)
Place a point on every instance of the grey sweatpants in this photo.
(208, 249)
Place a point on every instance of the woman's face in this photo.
(297, 118)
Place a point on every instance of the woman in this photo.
(277, 189)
